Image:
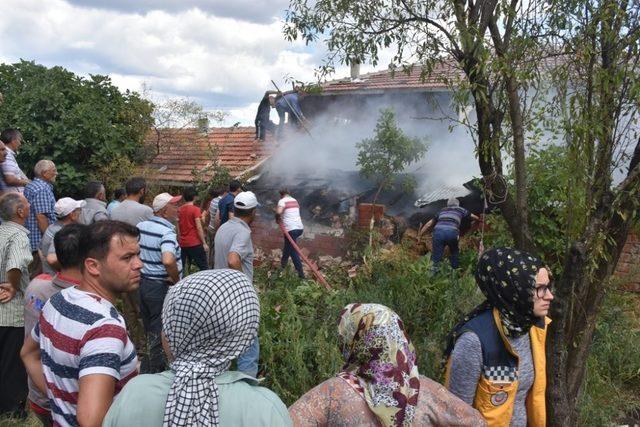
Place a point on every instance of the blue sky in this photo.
(221, 53)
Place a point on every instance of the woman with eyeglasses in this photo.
(496, 354)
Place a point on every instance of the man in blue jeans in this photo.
(288, 212)
(447, 232)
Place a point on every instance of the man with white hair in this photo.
(39, 193)
(67, 211)
(15, 256)
(209, 319)
(447, 231)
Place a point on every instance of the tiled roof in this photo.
(389, 80)
(182, 150)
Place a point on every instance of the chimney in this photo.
(203, 125)
(355, 70)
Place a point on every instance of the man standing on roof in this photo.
(447, 231)
(289, 102)
(262, 122)
(288, 212)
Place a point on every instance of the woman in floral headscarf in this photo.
(379, 384)
(497, 352)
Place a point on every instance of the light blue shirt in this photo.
(241, 402)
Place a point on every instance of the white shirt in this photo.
(10, 167)
(291, 214)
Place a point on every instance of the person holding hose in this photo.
(496, 354)
(288, 212)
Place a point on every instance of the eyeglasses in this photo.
(541, 290)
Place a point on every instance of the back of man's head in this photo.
(9, 205)
(9, 135)
(68, 243)
(135, 185)
(453, 202)
(96, 242)
(189, 193)
(92, 189)
(119, 193)
(234, 185)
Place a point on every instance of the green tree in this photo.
(82, 124)
(388, 153)
(504, 51)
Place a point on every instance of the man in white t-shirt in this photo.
(288, 211)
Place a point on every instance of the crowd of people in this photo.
(66, 354)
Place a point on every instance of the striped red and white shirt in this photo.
(81, 334)
(291, 214)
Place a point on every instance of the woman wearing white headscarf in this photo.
(209, 318)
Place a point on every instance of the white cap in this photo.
(245, 200)
(66, 205)
(163, 199)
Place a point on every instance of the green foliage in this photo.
(82, 124)
(298, 333)
(612, 387)
(389, 152)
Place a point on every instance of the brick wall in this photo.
(629, 264)
(316, 241)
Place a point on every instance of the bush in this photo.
(298, 330)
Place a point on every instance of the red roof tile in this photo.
(183, 150)
(399, 80)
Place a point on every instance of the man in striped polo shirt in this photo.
(160, 254)
(447, 232)
(79, 351)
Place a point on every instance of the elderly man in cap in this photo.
(234, 249)
(209, 318)
(162, 268)
(67, 212)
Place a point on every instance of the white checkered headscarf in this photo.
(209, 319)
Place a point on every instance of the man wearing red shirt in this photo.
(191, 233)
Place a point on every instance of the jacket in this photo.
(496, 391)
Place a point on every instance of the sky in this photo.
(219, 53)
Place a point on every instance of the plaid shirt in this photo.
(39, 193)
(14, 254)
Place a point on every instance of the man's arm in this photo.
(30, 354)
(201, 233)
(94, 399)
(234, 261)
(475, 217)
(171, 265)
(14, 180)
(425, 228)
(43, 222)
(216, 221)
(9, 291)
(52, 260)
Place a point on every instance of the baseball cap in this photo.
(245, 200)
(163, 199)
(66, 205)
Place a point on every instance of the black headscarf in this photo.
(507, 278)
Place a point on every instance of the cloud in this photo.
(219, 61)
(247, 10)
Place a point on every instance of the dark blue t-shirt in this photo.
(225, 206)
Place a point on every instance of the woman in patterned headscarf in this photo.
(209, 318)
(496, 354)
(379, 383)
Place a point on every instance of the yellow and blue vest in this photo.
(498, 384)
